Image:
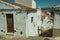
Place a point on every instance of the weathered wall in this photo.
(19, 20)
(20, 23)
(32, 28)
(57, 20)
(29, 3)
(3, 17)
(2, 24)
(33, 4)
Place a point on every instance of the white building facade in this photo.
(57, 17)
(23, 22)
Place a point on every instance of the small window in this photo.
(31, 19)
(9, 20)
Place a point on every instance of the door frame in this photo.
(7, 22)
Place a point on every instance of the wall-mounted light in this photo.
(3, 14)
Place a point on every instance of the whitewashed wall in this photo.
(29, 3)
(33, 4)
(19, 20)
(25, 2)
(57, 20)
(20, 23)
(30, 29)
(2, 24)
(39, 17)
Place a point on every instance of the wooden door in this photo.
(10, 23)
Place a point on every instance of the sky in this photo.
(47, 3)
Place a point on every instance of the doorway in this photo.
(10, 23)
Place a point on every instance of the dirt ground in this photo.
(56, 32)
(56, 36)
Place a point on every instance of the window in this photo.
(9, 20)
(31, 19)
